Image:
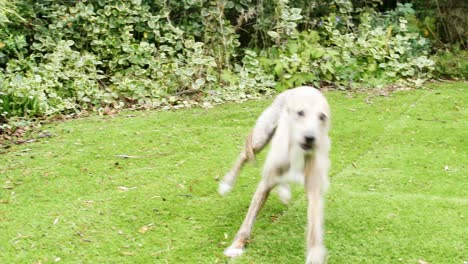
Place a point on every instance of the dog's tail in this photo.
(249, 150)
(261, 134)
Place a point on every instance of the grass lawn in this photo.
(398, 186)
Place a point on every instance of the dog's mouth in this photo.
(307, 147)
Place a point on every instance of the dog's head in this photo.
(309, 118)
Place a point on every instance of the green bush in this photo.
(451, 64)
(378, 50)
(120, 54)
(69, 56)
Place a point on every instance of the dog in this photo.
(297, 124)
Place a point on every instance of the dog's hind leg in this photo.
(229, 179)
(261, 194)
(261, 134)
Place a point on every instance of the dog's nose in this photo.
(309, 140)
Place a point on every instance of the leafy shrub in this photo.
(69, 56)
(451, 64)
(296, 62)
(121, 54)
(380, 49)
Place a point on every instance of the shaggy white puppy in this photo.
(297, 123)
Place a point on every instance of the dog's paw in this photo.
(233, 252)
(284, 194)
(224, 188)
(316, 255)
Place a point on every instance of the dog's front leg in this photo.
(315, 181)
(261, 194)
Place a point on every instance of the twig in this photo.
(127, 156)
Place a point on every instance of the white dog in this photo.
(297, 123)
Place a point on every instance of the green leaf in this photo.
(229, 5)
(278, 69)
(273, 34)
(293, 47)
(317, 53)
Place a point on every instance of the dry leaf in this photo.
(8, 185)
(126, 189)
(421, 261)
(109, 111)
(143, 229)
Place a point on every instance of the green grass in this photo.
(398, 190)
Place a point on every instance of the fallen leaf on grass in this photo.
(127, 253)
(108, 111)
(126, 189)
(8, 185)
(45, 134)
(422, 261)
(145, 228)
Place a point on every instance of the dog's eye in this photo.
(301, 113)
(322, 117)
